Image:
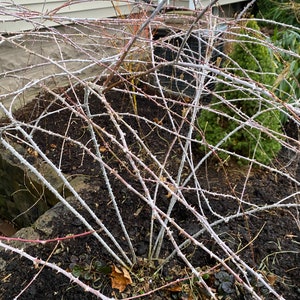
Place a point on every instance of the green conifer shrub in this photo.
(232, 105)
(287, 83)
(283, 11)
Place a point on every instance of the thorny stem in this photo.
(158, 175)
(58, 196)
(38, 261)
(133, 40)
(104, 173)
(193, 110)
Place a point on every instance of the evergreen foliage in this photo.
(232, 107)
(288, 81)
(288, 12)
(284, 11)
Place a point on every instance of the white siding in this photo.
(220, 2)
(12, 12)
(201, 3)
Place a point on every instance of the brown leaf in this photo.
(272, 278)
(172, 188)
(32, 152)
(158, 121)
(120, 278)
(175, 288)
(102, 149)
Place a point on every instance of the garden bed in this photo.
(267, 241)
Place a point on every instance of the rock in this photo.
(23, 198)
(7, 228)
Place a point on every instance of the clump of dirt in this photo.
(267, 241)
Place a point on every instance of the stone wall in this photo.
(23, 198)
(32, 62)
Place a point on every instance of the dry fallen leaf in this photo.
(157, 121)
(163, 179)
(184, 111)
(175, 288)
(272, 278)
(102, 149)
(32, 152)
(172, 188)
(120, 278)
(138, 211)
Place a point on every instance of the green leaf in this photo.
(87, 276)
(102, 268)
(77, 271)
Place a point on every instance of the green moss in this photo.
(251, 60)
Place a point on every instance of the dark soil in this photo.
(268, 241)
